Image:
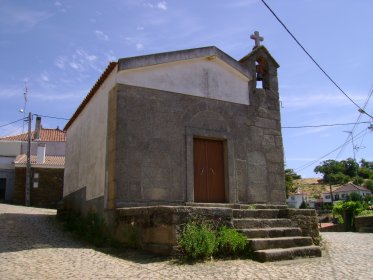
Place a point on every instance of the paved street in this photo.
(32, 246)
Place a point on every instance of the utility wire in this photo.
(358, 136)
(51, 117)
(317, 64)
(323, 125)
(12, 122)
(349, 136)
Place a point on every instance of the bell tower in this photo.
(262, 67)
(265, 147)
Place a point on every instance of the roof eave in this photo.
(182, 55)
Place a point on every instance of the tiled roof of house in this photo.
(92, 92)
(46, 135)
(350, 188)
(49, 161)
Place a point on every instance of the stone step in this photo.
(213, 205)
(280, 242)
(287, 253)
(249, 223)
(271, 232)
(270, 206)
(256, 213)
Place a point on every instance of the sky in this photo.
(58, 49)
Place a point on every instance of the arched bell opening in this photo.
(262, 77)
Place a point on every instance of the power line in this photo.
(336, 149)
(51, 117)
(12, 122)
(323, 125)
(317, 64)
(357, 121)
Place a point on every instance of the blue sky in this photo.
(61, 47)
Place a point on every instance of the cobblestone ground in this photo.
(32, 246)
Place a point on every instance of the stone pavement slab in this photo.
(32, 246)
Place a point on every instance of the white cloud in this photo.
(20, 20)
(101, 35)
(75, 65)
(52, 97)
(9, 93)
(57, 4)
(60, 62)
(317, 100)
(162, 5)
(44, 77)
(139, 46)
(85, 55)
(79, 60)
(140, 28)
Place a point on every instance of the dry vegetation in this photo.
(313, 186)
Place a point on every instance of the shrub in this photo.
(197, 241)
(366, 213)
(230, 242)
(355, 206)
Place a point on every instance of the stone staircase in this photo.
(272, 238)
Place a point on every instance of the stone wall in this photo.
(49, 191)
(156, 229)
(306, 219)
(154, 146)
(364, 224)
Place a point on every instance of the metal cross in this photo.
(257, 38)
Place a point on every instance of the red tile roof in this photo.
(46, 135)
(49, 161)
(350, 188)
(93, 91)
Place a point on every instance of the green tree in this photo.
(290, 176)
(329, 169)
(340, 172)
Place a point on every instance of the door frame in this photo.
(191, 133)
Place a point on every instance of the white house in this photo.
(347, 189)
(295, 200)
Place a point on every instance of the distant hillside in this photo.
(312, 186)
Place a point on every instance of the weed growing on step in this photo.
(230, 242)
(199, 241)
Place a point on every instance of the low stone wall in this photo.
(306, 219)
(364, 224)
(156, 228)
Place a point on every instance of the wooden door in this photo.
(209, 183)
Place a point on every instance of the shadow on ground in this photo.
(21, 231)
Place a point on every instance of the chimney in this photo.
(40, 154)
(37, 128)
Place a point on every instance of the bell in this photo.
(259, 77)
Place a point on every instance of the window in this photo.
(327, 197)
